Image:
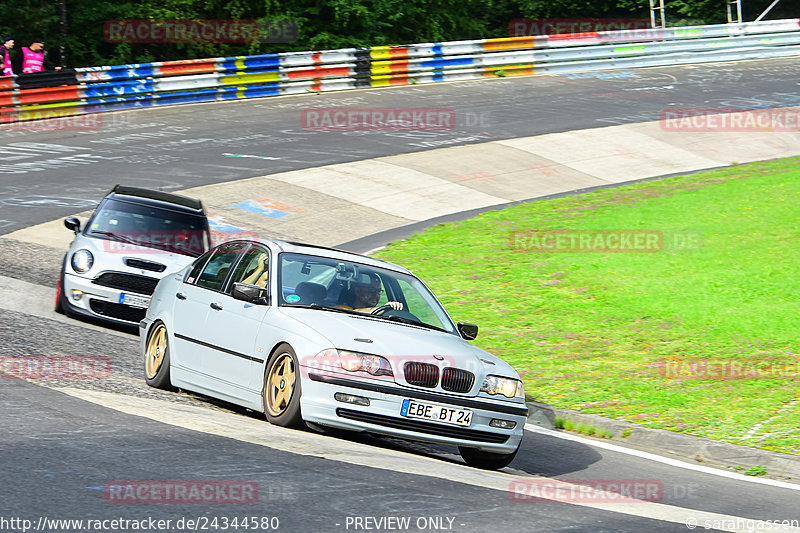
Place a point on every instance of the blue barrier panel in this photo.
(444, 63)
(118, 88)
(184, 99)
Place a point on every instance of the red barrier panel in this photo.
(8, 115)
(7, 99)
(574, 36)
(187, 66)
(178, 70)
(48, 94)
(318, 72)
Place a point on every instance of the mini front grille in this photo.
(457, 380)
(441, 430)
(145, 265)
(118, 311)
(421, 374)
(127, 282)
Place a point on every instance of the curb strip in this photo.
(670, 443)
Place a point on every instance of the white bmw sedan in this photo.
(328, 338)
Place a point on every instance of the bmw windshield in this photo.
(339, 285)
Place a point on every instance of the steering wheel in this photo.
(388, 310)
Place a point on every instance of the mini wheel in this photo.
(61, 307)
(60, 295)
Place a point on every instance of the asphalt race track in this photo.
(64, 441)
(190, 145)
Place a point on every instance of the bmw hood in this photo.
(398, 342)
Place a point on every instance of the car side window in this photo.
(197, 266)
(252, 269)
(216, 270)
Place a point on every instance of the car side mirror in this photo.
(467, 330)
(249, 293)
(72, 223)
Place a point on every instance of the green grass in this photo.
(585, 429)
(699, 339)
(756, 470)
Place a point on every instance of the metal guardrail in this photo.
(108, 88)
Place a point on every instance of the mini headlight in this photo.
(82, 261)
(499, 385)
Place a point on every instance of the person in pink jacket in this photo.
(32, 59)
(5, 56)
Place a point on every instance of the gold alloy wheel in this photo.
(280, 384)
(156, 348)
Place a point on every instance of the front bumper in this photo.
(100, 302)
(382, 416)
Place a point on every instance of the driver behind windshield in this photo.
(366, 294)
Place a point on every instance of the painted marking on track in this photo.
(268, 208)
(37, 300)
(622, 75)
(253, 156)
(37, 200)
(247, 429)
(657, 458)
(217, 223)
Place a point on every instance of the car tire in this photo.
(282, 390)
(61, 307)
(156, 357)
(486, 460)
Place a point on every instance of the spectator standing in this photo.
(32, 59)
(5, 52)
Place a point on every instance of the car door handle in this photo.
(180, 296)
(216, 306)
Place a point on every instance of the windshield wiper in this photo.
(410, 322)
(325, 308)
(392, 318)
(117, 237)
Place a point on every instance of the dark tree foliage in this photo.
(322, 24)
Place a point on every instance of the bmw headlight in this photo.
(510, 388)
(82, 261)
(333, 360)
(362, 362)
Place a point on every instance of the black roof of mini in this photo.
(158, 198)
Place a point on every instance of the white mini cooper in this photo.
(134, 238)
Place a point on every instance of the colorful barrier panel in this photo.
(110, 88)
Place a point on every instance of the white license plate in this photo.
(436, 413)
(133, 300)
